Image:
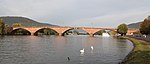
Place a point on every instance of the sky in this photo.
(78, 13)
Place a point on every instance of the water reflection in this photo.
(56, 49)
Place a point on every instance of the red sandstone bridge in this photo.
(61, 30)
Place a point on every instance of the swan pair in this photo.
(82, 51)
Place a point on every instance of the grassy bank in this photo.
(140, 54)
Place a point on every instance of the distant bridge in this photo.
(62, 30)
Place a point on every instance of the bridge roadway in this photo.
(61, 30)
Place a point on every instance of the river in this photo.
(56, 49)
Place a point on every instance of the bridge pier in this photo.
(60, 34)
(32, 34)
(91, 35)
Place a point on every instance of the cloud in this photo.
(112, 20)
(96, 13)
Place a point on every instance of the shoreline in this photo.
(139, 54)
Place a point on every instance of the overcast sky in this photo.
(84, 13)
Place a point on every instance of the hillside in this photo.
(137, 25)
(10, 20)
(134, 25)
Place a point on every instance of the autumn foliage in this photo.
(145, 27)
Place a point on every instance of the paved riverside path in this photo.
(142, 38)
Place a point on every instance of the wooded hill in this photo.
(10, 20)
(134, 25)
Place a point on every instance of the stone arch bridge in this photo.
(61, 30)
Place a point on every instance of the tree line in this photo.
(144, 28)
(6, 29)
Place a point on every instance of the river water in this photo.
(56, 49)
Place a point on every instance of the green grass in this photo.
(140, 54)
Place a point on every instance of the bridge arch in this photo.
(20, 31)
(46, 31)
(103, 31)
(64, 33)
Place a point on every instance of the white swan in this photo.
(92, 47)
(82, 51)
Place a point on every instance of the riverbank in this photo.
(140, 53)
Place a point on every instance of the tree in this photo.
(122, 29)
(7, 29)
(17, 25)
(46, 31)
(145, 27)
(99, 32)
(2, 27)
